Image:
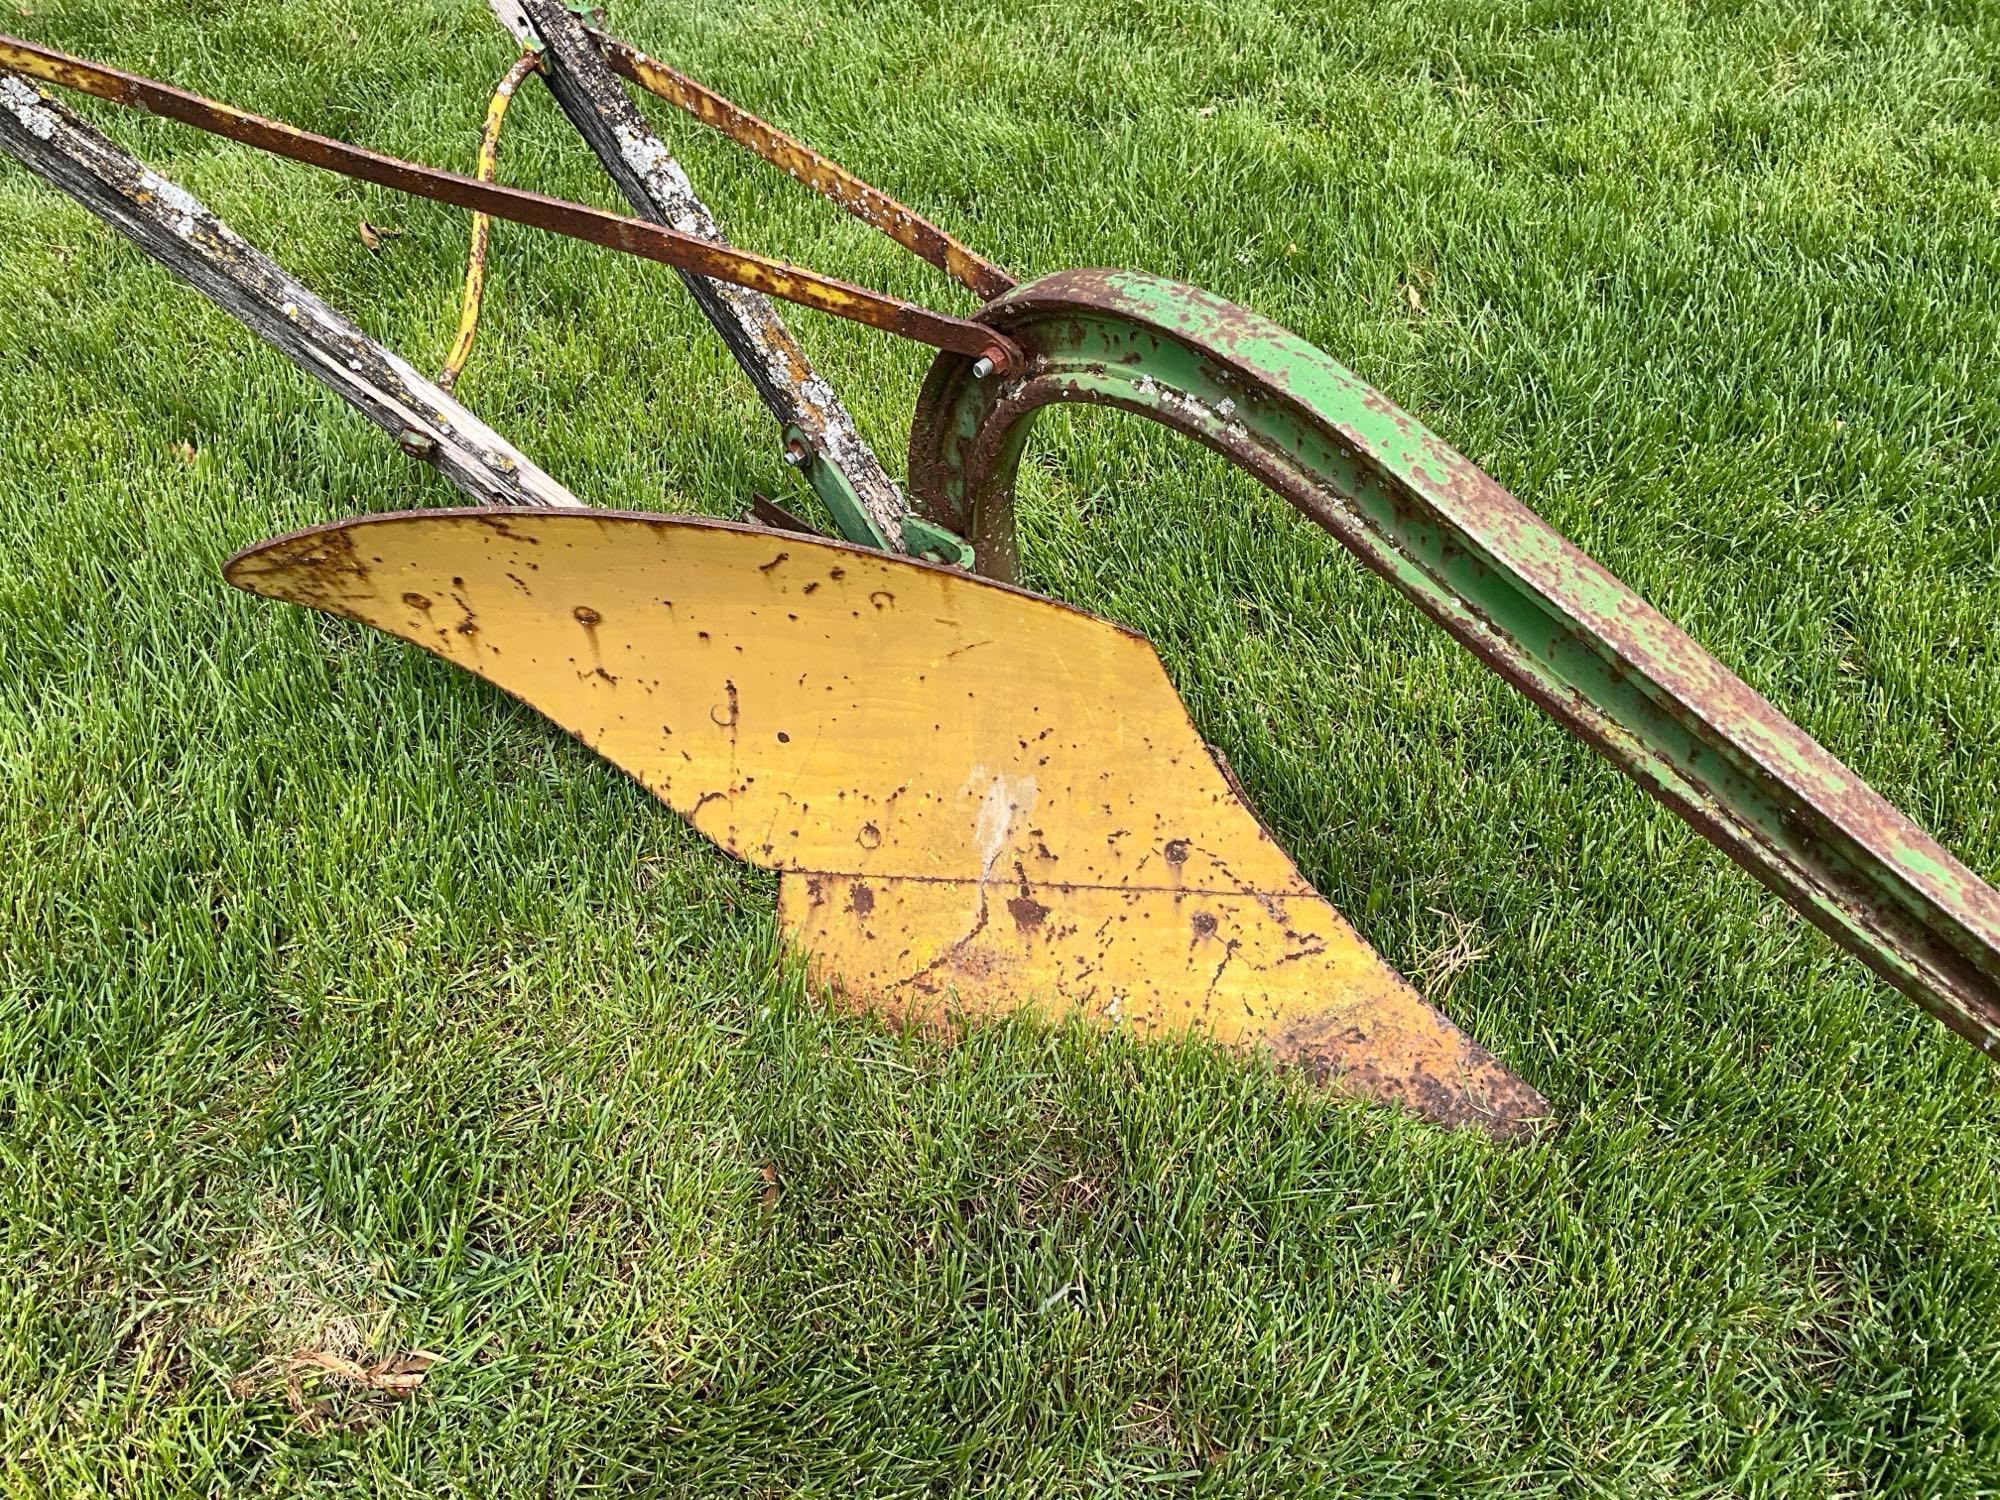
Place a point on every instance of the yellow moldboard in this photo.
(978, 799)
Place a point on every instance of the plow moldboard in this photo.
(978, 799)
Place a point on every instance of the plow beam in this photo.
(1597, 658)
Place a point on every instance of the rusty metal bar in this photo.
(482, 224)
(1593, 655)
(836, 461)
(176, 229)
(797, 160)
(634, 236)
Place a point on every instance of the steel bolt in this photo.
(982, 367)
(795, 454)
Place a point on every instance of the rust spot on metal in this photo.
(1379, 1064)
(726, 719)
(1027, 912)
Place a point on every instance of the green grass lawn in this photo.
(347, 1008)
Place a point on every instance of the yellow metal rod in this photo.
(482, 224)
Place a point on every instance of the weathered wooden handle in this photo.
(176, 229)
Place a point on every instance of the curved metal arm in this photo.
(1597, 658)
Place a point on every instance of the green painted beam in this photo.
(1595, 656)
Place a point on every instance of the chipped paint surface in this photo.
(978, 799)
(1002, 804)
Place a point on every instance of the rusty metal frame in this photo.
(1597, 658)
(685, 252)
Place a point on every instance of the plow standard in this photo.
(978, 799)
